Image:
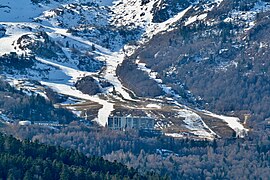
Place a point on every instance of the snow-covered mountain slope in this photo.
(69, 40)
(27, 10)
(212, 51)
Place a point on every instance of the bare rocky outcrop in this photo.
(2, 31)
(88, 85)
(138, 81)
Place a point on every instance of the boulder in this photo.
(2, 30)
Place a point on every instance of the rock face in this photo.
(88, 85)
(138, 81)
(2, 31)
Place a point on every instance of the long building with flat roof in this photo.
(130, 122)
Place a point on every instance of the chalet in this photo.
(130, 122)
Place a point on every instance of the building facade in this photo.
(129, 122)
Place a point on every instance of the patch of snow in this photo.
(175, 135)
(195, 18)
(73, 73)
(7, 42)
(65, 89)
(195, 123)
(165, 26)
(70, 90)
(22, 11)
(218, 2)
(132, 14)
(233, 123)
(70, 101)
(153, 106)
(26, 11)
(153, 75)
(112, 61)
(248, 18)
(162, 124)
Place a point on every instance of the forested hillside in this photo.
(18, 105)
(31, 160)
(182, 158)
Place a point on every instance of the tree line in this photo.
(190, 159)
(31, 160)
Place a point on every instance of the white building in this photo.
(130, 122)
(24, 123)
